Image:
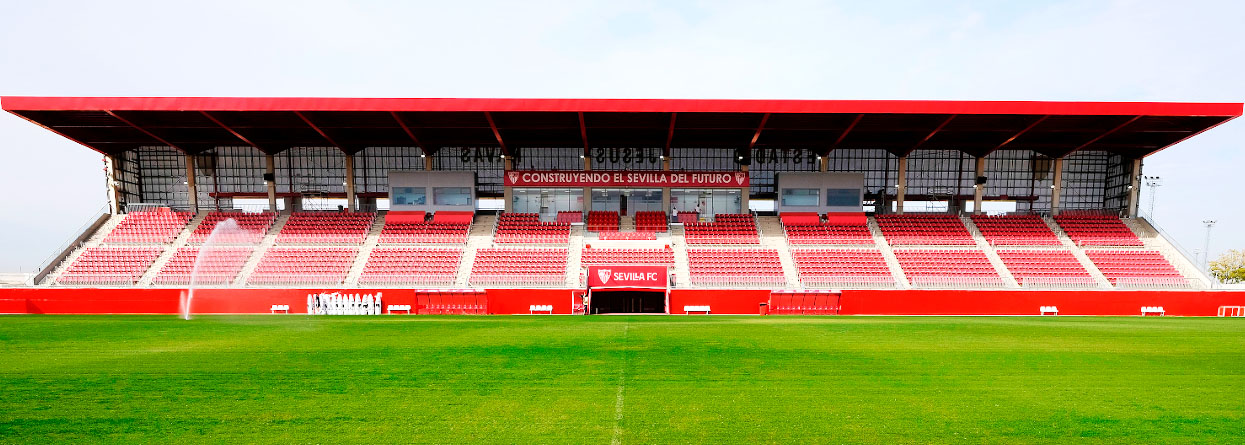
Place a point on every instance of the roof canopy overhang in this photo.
(195, 124)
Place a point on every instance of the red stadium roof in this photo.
(195, 124)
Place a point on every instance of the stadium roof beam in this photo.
(670, 134)
(323, 134)
(274, 124)
(928, 136)
(62, 134)
(146, 132)
(1017, 135)
(843, 135)
(409, 132)
(244, 139)
(492, 125)
(757, 135)
(1101, 136)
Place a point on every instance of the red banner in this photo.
(627, 276)
(625, 179)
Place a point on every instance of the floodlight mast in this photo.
(1154, 182)
(1210, 223)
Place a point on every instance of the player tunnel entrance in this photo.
(629, 301)
(628, 289)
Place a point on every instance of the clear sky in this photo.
(1004, 50)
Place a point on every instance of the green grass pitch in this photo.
(617, 379)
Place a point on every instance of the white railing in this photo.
(1203, 273)
(1156, 283)
(1058, 282)
(956, 282)
(74, 242)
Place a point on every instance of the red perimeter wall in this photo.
(729, 301)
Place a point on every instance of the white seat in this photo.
(280, 308)
(1048, 310)
(1157, 310)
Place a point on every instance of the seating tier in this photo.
(735, 268)
(326, 266)
(595, 257)
(252, 227)
(1015, 230)
(159, 226)
(391, 266)
(948, 268)
(110, 266)
(1137, 268)
(519, 267)
(326, 228)
(650, 222)
(219, 265)
(1045, 268)
(925, 229)
(842, 268)
(527, 228)
(1088, 229)
(726, 228)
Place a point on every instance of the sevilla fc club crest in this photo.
(740, 177)
(604, 275)
(514, 177)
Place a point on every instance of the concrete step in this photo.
(365, 252)
(1079, 253)
(879, 240)
(169, 252)
(999, 266)
(270, 239)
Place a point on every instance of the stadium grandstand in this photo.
(604, 206)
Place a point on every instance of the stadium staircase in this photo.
(1008, 279)
(481, 236)
(365, 252)
(1077, 252)
(171, 250)
(574, 256)
(626, 223)
(682, 268)
(269, 240)
(773, 237)
(889, 254)
(95, 240)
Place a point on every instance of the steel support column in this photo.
(901, 185)
(270, 168)
(1134, 187)
(979, 190)
(193, 197)
(1056, 187)
(350, 201)
(114, 183)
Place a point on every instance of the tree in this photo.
(1230, 267)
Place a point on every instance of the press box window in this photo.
(800, 197)
(451, 196)
(843, 197)
(410, 196)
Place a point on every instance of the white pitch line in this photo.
(618, 399)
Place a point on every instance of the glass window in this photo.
(410, 196)
(451, 196)
(843, 197)
(800, 197)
